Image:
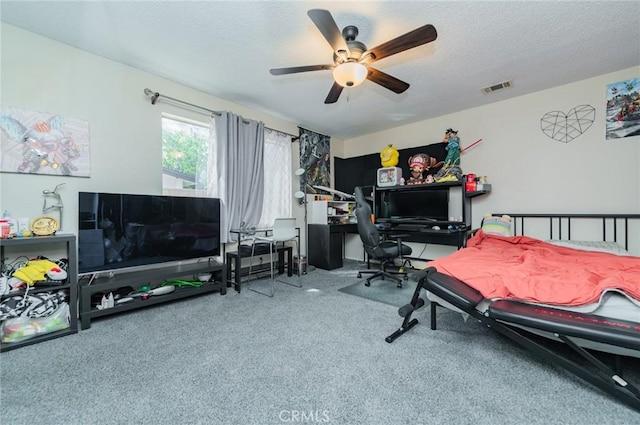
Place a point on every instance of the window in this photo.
(184, 157)
(188, 170)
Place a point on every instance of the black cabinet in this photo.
(40, 245)
(326, 244)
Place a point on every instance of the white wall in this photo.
(39, 74)
(529, 172)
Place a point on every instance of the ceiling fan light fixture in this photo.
(350, 74)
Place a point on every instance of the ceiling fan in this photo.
(351, 58)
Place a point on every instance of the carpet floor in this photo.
(310, 355)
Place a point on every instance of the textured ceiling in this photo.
(226, 48)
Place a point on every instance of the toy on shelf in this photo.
(389, 174)
(34, 271)
(417, 165)
(451, 170)
(55, 204)
(420, 164)
(389, 156)
(453, 148)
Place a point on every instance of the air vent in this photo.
(496, 87)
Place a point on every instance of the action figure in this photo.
(417, 165)
(451, 170)
(453, 148)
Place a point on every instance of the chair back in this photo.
(366, 229)
(284, 229)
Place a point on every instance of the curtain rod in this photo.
(155, 96)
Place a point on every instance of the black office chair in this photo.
(385, 251)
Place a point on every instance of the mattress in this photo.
(612, 304)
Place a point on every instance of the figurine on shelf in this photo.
(389, 174)
(453, 148)
(389, 156)
(451, 170)
(55, 204)
(420, 164)
(417, 165)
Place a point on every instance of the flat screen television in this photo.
(416, 205)
(118, 230)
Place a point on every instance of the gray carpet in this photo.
(306, 355)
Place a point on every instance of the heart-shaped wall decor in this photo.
(566, 127)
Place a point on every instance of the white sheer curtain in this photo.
(277, 177)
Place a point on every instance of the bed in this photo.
(585, 294)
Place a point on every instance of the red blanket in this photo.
(529, 269)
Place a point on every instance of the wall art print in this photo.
(564, 127)
(43, 143)
(623, 109)
(315, 159)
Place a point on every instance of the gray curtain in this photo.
(240, 169)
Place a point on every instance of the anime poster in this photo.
(623, 109)
(315, 160)
(42, 143)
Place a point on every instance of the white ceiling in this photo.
(226, 48)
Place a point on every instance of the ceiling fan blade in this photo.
(386, 80)
(295, 69)
(415, 38)
(329, 29)
(334, 93)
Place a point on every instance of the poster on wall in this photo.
(43, 143)
(315, 159)
(623, 109)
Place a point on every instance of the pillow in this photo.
(492, 225)
(596, 246)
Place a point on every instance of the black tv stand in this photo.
(151, 276)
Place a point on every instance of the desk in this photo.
(425, 234)
(326, 244)
(433, 200)
(234, 258)
(245, 233)
(234, 269)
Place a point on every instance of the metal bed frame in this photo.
(560, 224)
(518, 321)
